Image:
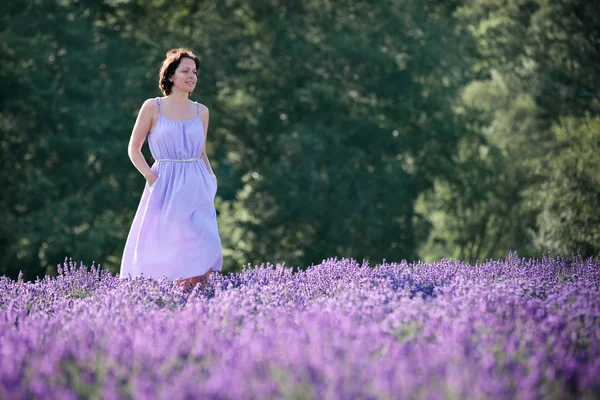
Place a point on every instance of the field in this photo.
(505, 329)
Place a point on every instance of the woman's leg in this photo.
(204, 278)
(188, 283)
(194, 281)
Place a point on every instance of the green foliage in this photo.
(548, 48)
(351, 124)
(393, 130)
(480, 211)
(62, 136)
(508, 186)
(569, 198)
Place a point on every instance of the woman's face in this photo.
(184, 79)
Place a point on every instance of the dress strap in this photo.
(198, 107)
(157, 102)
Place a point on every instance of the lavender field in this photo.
(515, 328)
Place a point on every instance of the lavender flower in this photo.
(514, 328)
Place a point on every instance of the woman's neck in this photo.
(179, 97)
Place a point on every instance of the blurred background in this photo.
(375, 130)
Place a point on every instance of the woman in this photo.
(174, 231)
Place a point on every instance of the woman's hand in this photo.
(151, 179)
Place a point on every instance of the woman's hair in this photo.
(169, 66)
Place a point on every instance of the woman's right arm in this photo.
(138, 136)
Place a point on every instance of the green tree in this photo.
(350, 121)
(67, 70)
(327, 122)
(570, 197)
(537, 61)
(481, 211)
(546, 48)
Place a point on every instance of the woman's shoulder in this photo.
(150, 107)
(203, 111)
(152, 102)
(201, 106)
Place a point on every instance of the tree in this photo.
(537, 61)
(350, 120)
(570, 197)
(481, 211)
(66, 71)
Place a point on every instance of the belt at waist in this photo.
(180, 160)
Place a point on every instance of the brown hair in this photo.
(169, 66)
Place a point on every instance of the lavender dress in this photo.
(174, 231)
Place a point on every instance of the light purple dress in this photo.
(174, 231)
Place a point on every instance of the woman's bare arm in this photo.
(138, 137)
(204, 115)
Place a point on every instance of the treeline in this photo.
(396, 130)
